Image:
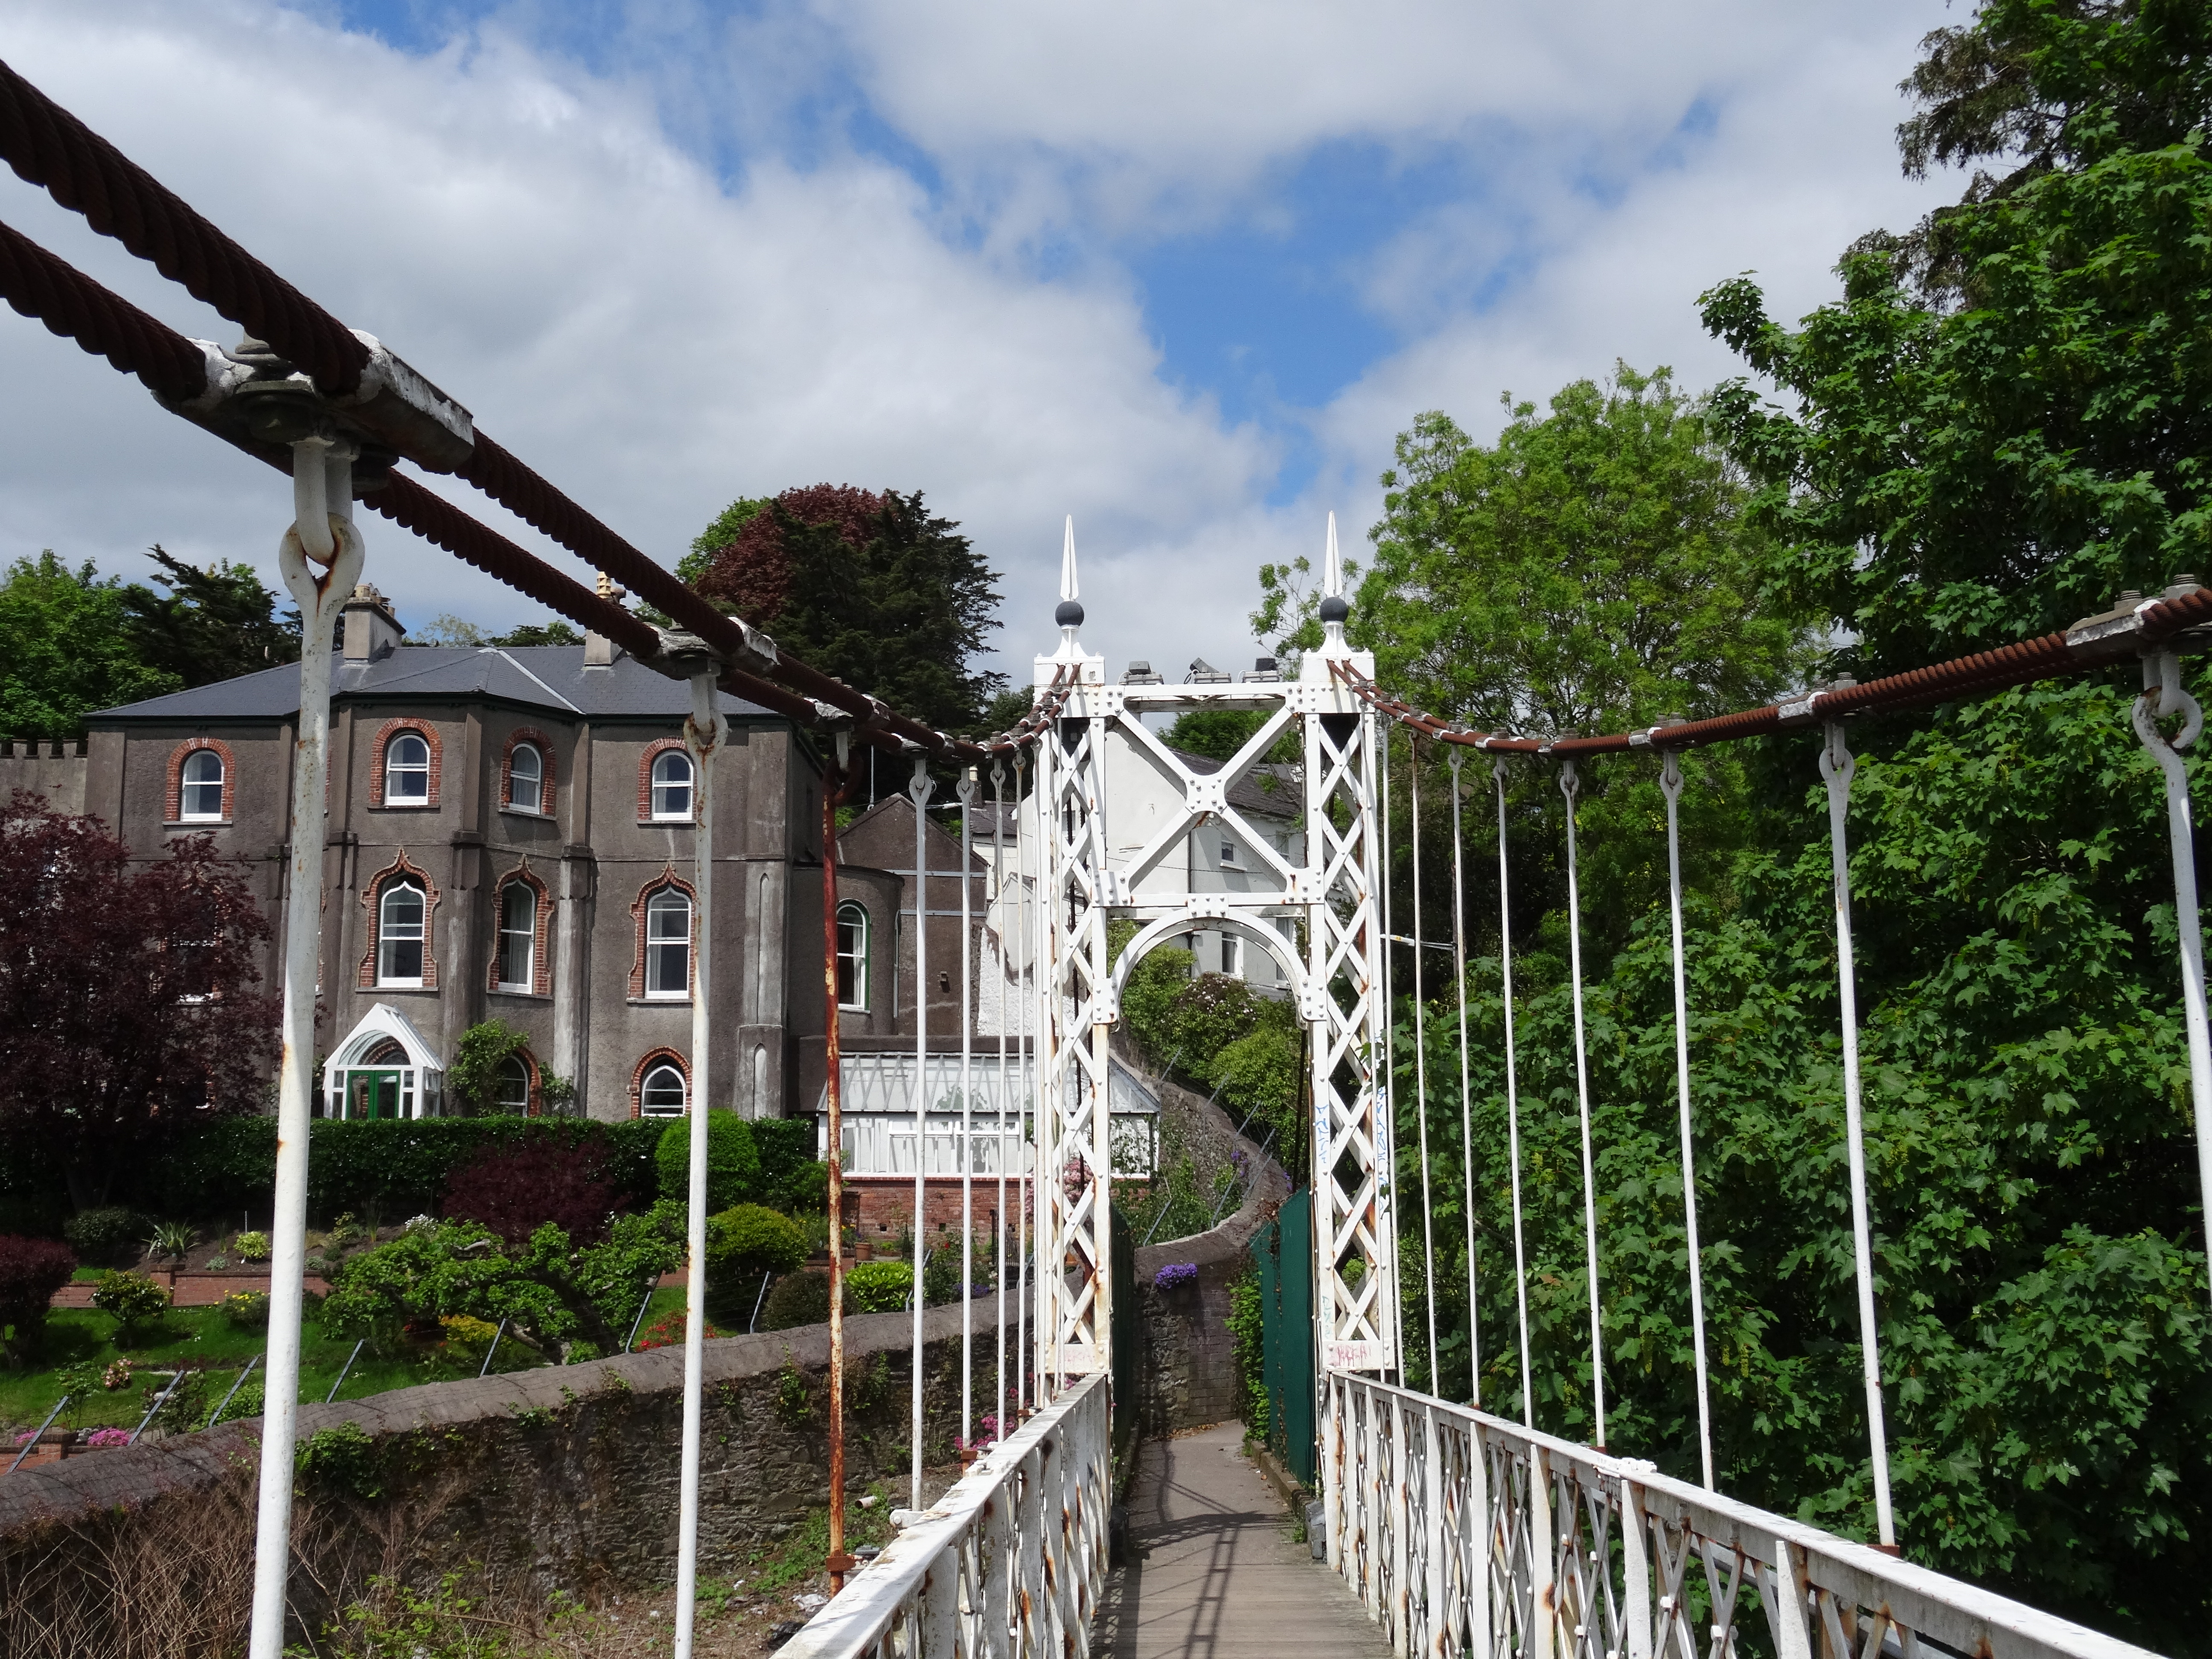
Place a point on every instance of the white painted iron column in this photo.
(919, 790)
(703, 734)
(2164, 694)
(1670, 783)
(322, 534)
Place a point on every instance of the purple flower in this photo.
(108, 1437)
(1175, 1273)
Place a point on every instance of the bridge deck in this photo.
(1212, 1571)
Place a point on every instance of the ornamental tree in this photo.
(130, 1011)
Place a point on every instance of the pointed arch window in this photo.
(401, 910)
(514, 1089)
(661, 1094)
(668, 944)
(518, 937)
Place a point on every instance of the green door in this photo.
(372, 1094)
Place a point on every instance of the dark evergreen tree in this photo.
(212, 624)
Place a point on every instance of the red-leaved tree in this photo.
(753, 574)
(129, 1006)
(515, 1190)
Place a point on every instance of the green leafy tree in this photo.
(734, 1162)
(212, 624)
(871, 588)
(66, 648)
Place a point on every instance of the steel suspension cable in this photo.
(1421, 1058)
(965, 789)
(1837, 765)
(999, 1213)
(1466, 1101)
(1571, 787)
(1027, 998)
(919, 791)
(1513, 1101)
(1670, 781)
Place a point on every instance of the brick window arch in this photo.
(402, 868)
(540, 982)
(173, 809)
(653, 751)
(651, 1063)
(390, 729)
(667, 881)
(543, 745)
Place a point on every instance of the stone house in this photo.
(509, 836)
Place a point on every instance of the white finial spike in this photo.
(1067, 585)
(1332, 566)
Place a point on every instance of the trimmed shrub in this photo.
(733, 1164)
(107, 1236)
(799, 1298)
(514, 1190)
(251, 1247)
(743, 1244)
(130, 1299)
(877, 1287)
(31, 1271)
(786, 1146)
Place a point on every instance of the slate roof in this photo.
(549, 676)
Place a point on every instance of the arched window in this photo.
(671, 786)
(668, 944)
(407, 771)
(851, 955)
(518, 937)
(661, 1093)
(525, 779)
(399, 914)
(512, 1094)
(203, 792)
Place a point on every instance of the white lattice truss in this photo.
(1008, 1564)
(1328, 895)
(1466, 1534)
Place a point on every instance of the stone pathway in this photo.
(1212, 1571)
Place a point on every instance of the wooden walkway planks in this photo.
(1213, 1572)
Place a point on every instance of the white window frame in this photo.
(1229, 852)
(528, 934)
(859, 957)
(1232, 956)
(645, 1085)
(670, 758)
(537, 807)
(185, 812)
(385, 939)
(655, 902)
(499, 1097)
(393, 769)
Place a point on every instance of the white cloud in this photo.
(657, 341)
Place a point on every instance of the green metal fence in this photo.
(1284, 1250)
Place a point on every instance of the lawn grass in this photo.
(203, 1337)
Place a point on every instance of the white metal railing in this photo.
(1463, 1533)
(1008, 1563)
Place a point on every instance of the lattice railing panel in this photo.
(1578, 1555)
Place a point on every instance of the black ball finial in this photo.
(1069, 615)
(1334, 609)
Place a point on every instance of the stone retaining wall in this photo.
(566, 1477)
(1189, 1368)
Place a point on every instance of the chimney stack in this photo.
(599, 649)
(371, 629)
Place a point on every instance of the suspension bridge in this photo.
(1448, 1528)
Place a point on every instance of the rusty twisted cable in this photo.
(49, 146)
(40, 285)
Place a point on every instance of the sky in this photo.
(1183, 271)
